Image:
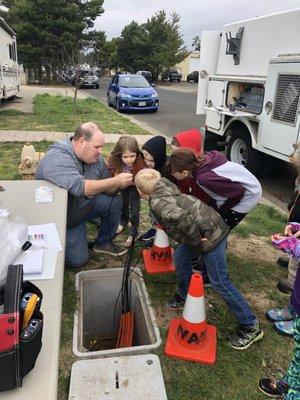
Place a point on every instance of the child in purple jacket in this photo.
(289, 244)
(288, 387)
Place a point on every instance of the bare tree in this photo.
(71, 68)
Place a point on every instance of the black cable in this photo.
(128, 270)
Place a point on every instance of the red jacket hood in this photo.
(191, 139)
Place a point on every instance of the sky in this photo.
(196, 15)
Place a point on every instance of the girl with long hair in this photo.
(232, 190)
(126, 157)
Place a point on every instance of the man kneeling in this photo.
(76, 165)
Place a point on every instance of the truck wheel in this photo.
(240, 151)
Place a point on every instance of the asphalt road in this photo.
(178, 112)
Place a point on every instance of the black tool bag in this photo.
(19, 348)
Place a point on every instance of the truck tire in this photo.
(211, 141)
(240, 151)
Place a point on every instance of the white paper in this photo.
(32, 261)
(43, 194)
(49, 266)
(50, 236)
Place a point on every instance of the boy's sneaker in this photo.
(176, 303)
(245, 336)
(284, 286)
(150, 235)
(272, 387)
(111, 249)
(283, 262)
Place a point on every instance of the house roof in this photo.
(5, 27)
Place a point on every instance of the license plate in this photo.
(142, 103)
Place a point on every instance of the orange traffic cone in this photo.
(158, 259)
(190, 337)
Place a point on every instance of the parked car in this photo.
(132, 92)
(193, 76)
(171, 75)
(146, 74)
(86, 79)
(89, 80)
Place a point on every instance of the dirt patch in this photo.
(252, 248)
(261, 301)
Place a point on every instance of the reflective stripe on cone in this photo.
(190, 337)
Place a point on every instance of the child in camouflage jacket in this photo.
(197, 228)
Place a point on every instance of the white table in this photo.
(18, 198)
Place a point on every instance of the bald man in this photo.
(76, 165)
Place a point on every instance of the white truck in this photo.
(249, 89)
(9, 69)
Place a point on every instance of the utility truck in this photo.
(248, 89)
(9, 69)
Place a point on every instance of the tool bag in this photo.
(18, 350)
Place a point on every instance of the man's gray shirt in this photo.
(62, 167)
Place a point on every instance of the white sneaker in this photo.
(128, 241)
(120, 229)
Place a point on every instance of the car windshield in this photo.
(136, 81)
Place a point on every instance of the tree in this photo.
(196, 44)
(167, 45)
(133, 46)
(45, 27)
(154, 45)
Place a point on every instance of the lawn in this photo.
(57, 114)
(252, 267)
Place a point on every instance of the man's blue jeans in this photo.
(216, 265)
(108, 208)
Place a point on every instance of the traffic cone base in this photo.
(155, 268)
(204, 354)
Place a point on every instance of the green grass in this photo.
(57, 114)
(262, 221)
(235, 375)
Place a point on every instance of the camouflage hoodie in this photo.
(186, 219)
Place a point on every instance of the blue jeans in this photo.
(109, 210)
(216, 265)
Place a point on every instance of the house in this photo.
(189, 64)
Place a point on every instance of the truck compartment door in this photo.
(214, 102)
(279, 128)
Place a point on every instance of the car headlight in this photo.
(154, 95)
(124, 95)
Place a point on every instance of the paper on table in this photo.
(32, 261)
(49, 266)
(50, 234)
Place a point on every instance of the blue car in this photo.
(132, 92)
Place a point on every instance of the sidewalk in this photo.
(38, 136)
